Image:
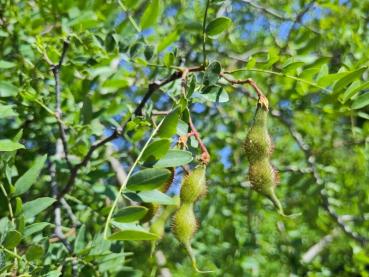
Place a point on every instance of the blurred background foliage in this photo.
(309, 57)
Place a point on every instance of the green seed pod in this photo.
(258, 148)
(263, 179)
(184, 220)
(194, 185)
(184, 223)
(258, 143)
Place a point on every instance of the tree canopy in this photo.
(123, 127)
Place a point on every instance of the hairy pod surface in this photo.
(194, 185)
(184, 220)
(184, 223)
(258, 144)
(258, 148)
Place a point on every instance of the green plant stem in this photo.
(11, 253)
(277, 74)
(204, 32)
(131, 19)
(123, 186)
(11, 213)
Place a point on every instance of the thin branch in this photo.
(271, 72)
(204, 32)
(297, 20)
(153, 87)
(261, 97)
(205, 156)
(58, 232)
(116, 166)
(311, 161)
(317, 248)
(70, 213)
(277, 15)
(266, 10)
(58, 112)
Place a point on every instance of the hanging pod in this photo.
(184, 220)
(258, 149)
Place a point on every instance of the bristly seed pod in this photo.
(184, 220)
(258, 149)
(194, 185)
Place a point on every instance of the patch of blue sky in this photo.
(284, 29)
(163, 101)
(198, 107)
(120, 18)
(170, 11)
(175, 188)
(147, 32)
(225, 154)
(125, 64)
(147, 70)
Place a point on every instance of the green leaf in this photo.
(23, 183)
(35, 227)
(128, 226)
(292, 66)
(133, 235)
(327, 80)
(169, 126)
(148, 179)
(169, 59)
(148, 52)
(155, 196)
(174, 158)
(182, 128)
(211, 75)
(363, 115)
(218, 26)
(34, 252)
(156, 150)
(349, 78)
(150, 16)
(34, 207)
(7, 145)
(54, 273)
(110, 42)
(6, 64)
(12, 239)
(130, 214)
(361, 101)
(214, 94)
(352, 91)
(7, 89)
(167, 40)
(6, 111)
(79, 243)
(86, 110)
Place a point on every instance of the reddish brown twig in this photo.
(262, 98)
(205, 156)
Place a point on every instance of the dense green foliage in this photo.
(93, 92)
